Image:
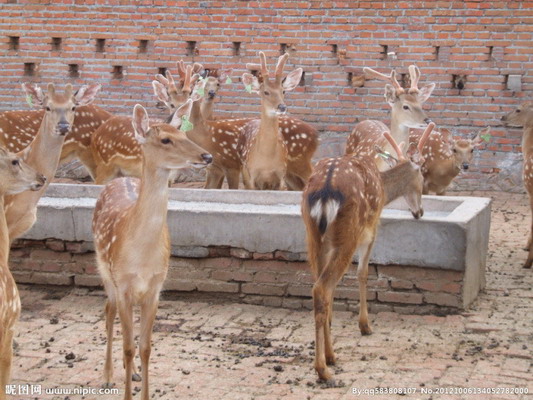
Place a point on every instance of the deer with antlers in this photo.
(44, 151)
(131, 235)
(341, 206)
(15, 177)
(406, 111)
(19, 128)
(522, 117)
(445, 157)
(262, 149)
(114, 148)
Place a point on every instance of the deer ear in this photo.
(251, 83)
(390, 94)
(86, 94)
(160, 92)
(480, 137)
(293, 79)
(446, 135)
(183, 111)
(34, 93)
(141, 123)
(425, 92)
(223, 75)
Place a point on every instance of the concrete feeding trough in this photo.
(451, 238)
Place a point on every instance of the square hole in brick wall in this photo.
(384, 51)
(29, 69)
(100, 45)
(191, 47)
(14, 42)
(143, 46)
(282, 48)
(162, 71)
(118, 72)
(73, 71)
(236, 48)
(334, 48)
(57, 43)
(302, 80)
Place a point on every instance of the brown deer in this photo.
(44, 151)
(522, 117)
(301, 140)
(261, 147)
(19, 128)
(445, 157)
(114, 148)
(406, 111)
(341, 206)
(15, 177)
(131, 235)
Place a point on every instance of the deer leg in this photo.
(110, 313)
(233, 178)
(362, 276)
(246, 179)
(105, 173)
(529, 260)
(214, 179)
(125, 309)
(6, 358)
(87, 159)
(148, 313)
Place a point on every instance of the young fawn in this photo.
(445, 157)
(341, 206)
(44, 151)
(15, 177)
(131, 235)
(522, 117)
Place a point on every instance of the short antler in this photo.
(414, 73)
(425, 137)
(262, 67)
(395, 146)
(390, 78)
(279, 67)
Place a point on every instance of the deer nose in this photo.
(211, 93)
(465, 166)
(208, 158)
(63, 127)
(282, 107)
(418, 214)
(427, 121)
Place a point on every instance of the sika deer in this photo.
(522, 116)
(44, 152)
(262, 149)
(341, 206)
(131, 235)
(445, 157)
(15, 177)
(19, 128)
(406, 111)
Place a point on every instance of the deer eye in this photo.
(471, 151)
(48, 109)
(518, 110)
(266, 92)
(15, 162)
(166, 141)
(406, 107)
(73, 108)
(455, 150)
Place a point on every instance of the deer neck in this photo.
(149, 215)
(206, 108)
(267, 139)
(200, 131)
(394, 181)
(399, 132)
(527, 139)
(4, 236)
(44, 151)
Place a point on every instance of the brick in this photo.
(55, 245)
(88, 280)
(264, 289)
(442, 299)
(240, 253)
(263, 256)
(400, 297)
(39, 254)
(181, 285)
(214, 286)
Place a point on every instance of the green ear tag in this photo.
(186, 125)
(29, 100)
(228, 80)
(486, 137)
(385, 155)
(248, 88)
(200, 91)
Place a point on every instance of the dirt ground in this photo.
(206, 348)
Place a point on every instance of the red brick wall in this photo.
(485, 40)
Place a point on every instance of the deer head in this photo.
(271, 91)
(60, 108)
(406, 105)
(165, 143)
(520, 117)
(463, 149)
(16, 176)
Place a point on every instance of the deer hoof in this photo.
(528, 263)
(365, 329)
(330, 360)
(108, 385)
(135, 377)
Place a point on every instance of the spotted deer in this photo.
(406, 111)
(19, 128)
(15, 177)
(341, 206)
(522, 117)
(445, 157)
(115, 151)
(44, 151)
(261, 147)
(131, 236)
(301, 141)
